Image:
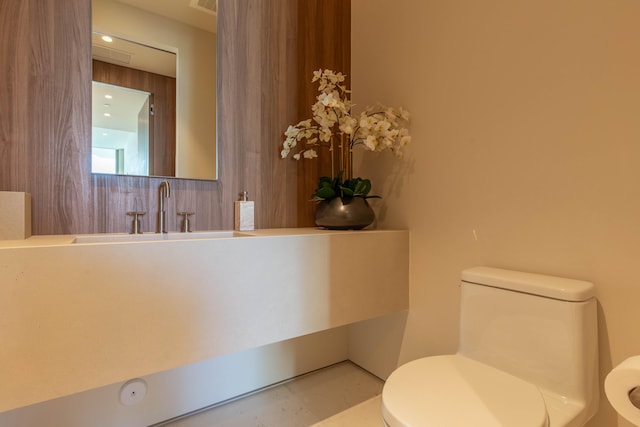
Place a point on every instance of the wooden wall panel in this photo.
(44, 125)
(114, 196)
(256, 73)
(45, 119)
(324, 42)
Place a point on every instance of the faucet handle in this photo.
(186, 221)
(135, 222)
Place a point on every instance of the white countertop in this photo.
(74, 317)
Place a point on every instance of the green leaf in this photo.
(324, 179)
(346, 191)
(363, 187)
(329, 188)
(324, 192)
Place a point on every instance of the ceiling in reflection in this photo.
(197, 13)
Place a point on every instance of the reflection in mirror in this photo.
(181, 87)
(120, 130)
(134, 96)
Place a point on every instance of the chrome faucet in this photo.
(165, 191)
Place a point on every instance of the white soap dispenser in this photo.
(243, 213)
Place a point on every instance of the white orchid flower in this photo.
(377, 128)
(310, 154)
(371, 143)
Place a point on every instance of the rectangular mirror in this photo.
(166, 49)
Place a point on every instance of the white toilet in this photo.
(527, 357)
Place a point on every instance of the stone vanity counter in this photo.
(74, 317)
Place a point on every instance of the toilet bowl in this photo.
(460, 392)
(527, 358)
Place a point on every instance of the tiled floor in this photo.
(322, 397)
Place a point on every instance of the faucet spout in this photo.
(164, 192)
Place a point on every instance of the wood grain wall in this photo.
(45, 95)
(324, 41)
(267, 50)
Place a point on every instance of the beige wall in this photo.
(526, 152)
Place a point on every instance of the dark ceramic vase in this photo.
(344, 213)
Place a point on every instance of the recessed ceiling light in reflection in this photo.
(108, 96)
(107, 115)
(107, 39)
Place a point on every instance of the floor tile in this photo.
(365, 414)
(301, 402)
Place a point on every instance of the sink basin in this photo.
(154, 237)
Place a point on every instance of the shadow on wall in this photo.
(606, 415)
(375, 344)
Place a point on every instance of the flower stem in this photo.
(331, 154)
(346, 160)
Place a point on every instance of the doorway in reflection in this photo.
(121, 120)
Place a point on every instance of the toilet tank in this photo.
(542, 329)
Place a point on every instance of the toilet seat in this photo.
(453, 390)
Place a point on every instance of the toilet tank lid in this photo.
(536, 284)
